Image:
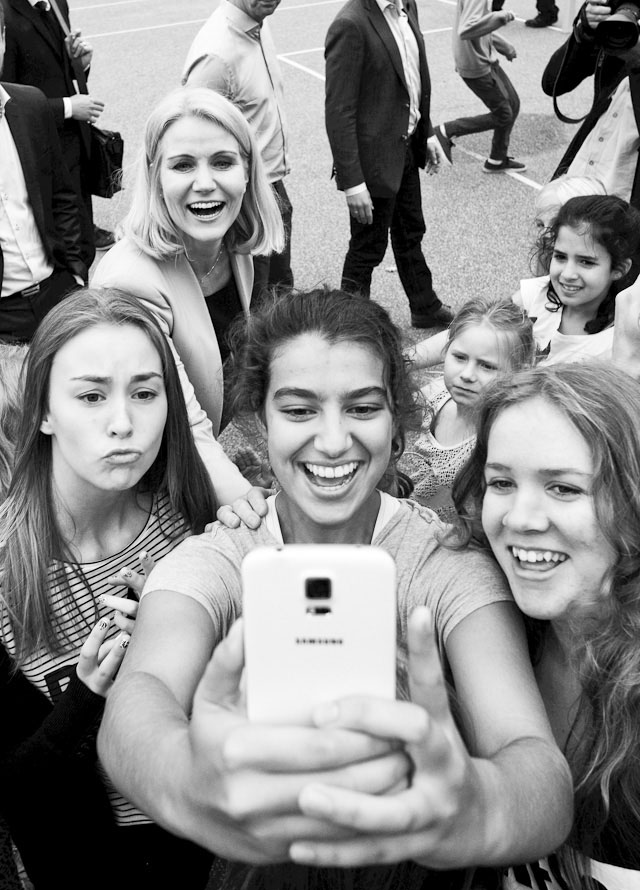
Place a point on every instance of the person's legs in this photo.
(275, 271)
(547, 15)
(20, 315)
(547, 8)
(502, 133)
(497, 93)
(478, 123)
(367, 247)
(407, 231)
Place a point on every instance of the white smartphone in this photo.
(319, 624)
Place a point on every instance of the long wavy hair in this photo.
(258, 228)
(337, 317)
(12, 358)
(608, 221)
(603, 404)
(30, 535)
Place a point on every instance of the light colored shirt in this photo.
(610, 151)
(24, 255)
(235, 55)
(398, 22)
(554, 347)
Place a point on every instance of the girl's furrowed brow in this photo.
(287, 392)
(137, 378)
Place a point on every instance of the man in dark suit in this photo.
(40, 251)
(38, 54)
(377, 117)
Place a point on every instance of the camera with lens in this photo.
(620, 31)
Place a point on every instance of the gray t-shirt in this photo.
(453, 584)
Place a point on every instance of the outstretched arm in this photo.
(428, 352)
(509, 801)
(175, 740)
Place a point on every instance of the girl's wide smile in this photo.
(333, 476)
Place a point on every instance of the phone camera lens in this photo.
(318, 588)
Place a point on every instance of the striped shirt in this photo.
(78, 612)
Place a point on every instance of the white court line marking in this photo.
(302, 67)
(190, 22)
(101, 5)
(147, 28)
(512, 173)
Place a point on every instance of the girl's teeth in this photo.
(331, 472)
(537, 555)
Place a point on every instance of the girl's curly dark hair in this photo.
(609, 221)
(337, 317)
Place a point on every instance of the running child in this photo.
(486, 338)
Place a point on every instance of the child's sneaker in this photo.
(500, 166)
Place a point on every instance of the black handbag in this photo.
(105, 164)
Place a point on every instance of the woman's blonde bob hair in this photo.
(258, 227)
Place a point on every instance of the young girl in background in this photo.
(486, 338)
(588, 251)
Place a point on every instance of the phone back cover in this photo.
(297, 657)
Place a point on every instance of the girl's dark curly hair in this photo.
(337, 317)
(609, 221)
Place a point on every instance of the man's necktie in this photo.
(47, 20)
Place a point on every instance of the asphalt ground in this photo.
(479, 226)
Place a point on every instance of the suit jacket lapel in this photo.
(377, 19)
(26, 143)
(35, 19)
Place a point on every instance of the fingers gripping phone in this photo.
(319, 624)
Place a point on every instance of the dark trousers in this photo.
(547, 8)
(497, 92)
(402, 217)
(21, 315)
(274, 272)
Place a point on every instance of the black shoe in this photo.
(102, 238)
(507, 164)
(441, 318)
(445, 143)
(541, 21)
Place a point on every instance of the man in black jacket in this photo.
(378, 94)
(40, 252)
(39, 55)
